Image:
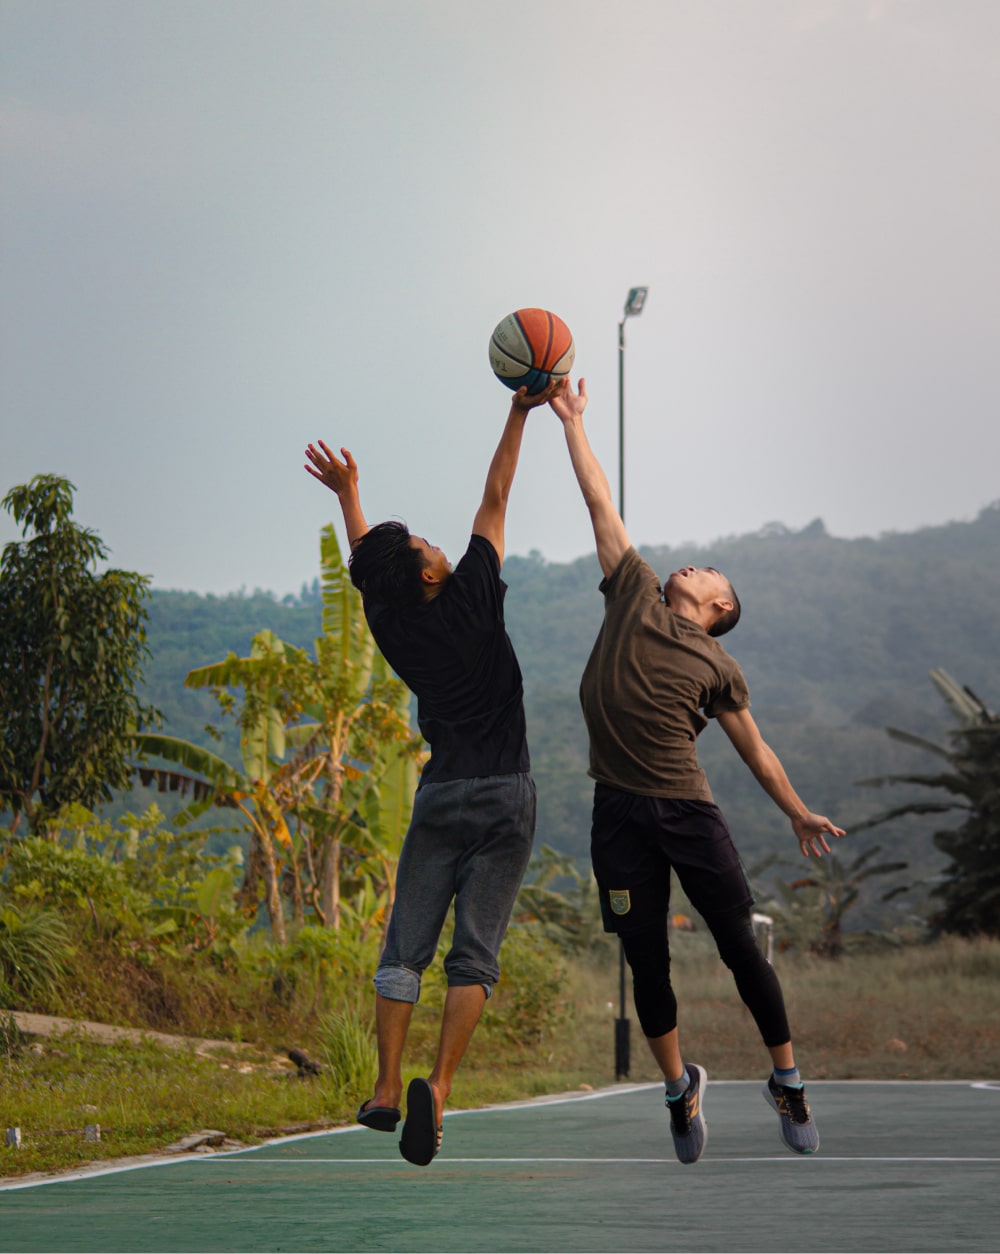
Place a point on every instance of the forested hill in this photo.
(836, 640)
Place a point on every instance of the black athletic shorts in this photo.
(636, 840)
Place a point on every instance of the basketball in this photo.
(529, 348)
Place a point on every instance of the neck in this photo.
(688, 608)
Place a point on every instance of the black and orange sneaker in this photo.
(687, 1123)
(795, 1121)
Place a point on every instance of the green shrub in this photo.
(35, 951)
(348, 1046)
(529, 1003)
(47, 873)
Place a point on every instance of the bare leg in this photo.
(782, 1056)
(667, 1052)
(463, 1006)
(392, 1021)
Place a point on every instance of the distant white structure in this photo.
(763, 926)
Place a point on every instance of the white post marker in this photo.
(14, 1138)
(763, 923)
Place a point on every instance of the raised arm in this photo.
(609, 530)
(492, 512)
(810, 829)
(340, 477)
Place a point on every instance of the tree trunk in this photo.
(331, 883)
(272, 894)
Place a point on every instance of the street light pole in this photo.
(633, 306)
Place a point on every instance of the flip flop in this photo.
(379, 1118)
(422, 1134)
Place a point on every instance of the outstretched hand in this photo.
(812, 831)
(523, 399)
(337, 475)
(569, 404)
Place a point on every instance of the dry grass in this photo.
(918, 1012)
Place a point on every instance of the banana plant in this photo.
(328, 756)
(256, 789)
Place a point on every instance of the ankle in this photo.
(677, 1088)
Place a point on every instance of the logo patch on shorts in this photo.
(620, 902)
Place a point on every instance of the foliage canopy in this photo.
(72, 643)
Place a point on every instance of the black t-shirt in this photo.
(454, 653)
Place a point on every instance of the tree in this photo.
(970, 884)
(72, 643)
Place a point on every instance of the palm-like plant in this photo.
(328, 758)
(970, 888)
(814, 905)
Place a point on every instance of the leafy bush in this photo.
(319, 967)
(43, 873)
(138, 883)
(529, 1004)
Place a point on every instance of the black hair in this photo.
(385, 568)
(729, 619)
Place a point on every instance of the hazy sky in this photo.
(230, 227)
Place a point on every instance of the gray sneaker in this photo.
(687, 1123)
(795, 1121)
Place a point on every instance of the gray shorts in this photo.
(469, 840)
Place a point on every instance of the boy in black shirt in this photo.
(442, 631)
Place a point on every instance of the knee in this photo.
(647, 951)
(737, 945)
(649, 959)
(398, 983)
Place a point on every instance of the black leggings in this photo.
(648, 954)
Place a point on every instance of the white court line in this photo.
(604, 1162)
(614, 1090)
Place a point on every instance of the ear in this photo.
(428, 576)
(723, 605)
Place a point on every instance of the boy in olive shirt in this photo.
(655, 676)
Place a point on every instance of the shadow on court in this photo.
(902, 1167)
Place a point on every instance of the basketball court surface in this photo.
(902, 1167)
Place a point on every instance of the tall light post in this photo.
(633, 306)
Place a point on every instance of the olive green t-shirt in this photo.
(651, 683)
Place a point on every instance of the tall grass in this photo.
(35, 951)
(347, 1044)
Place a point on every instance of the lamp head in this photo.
(635, 300)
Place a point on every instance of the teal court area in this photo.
(902, 1167)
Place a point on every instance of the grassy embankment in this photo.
(918, 1012)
